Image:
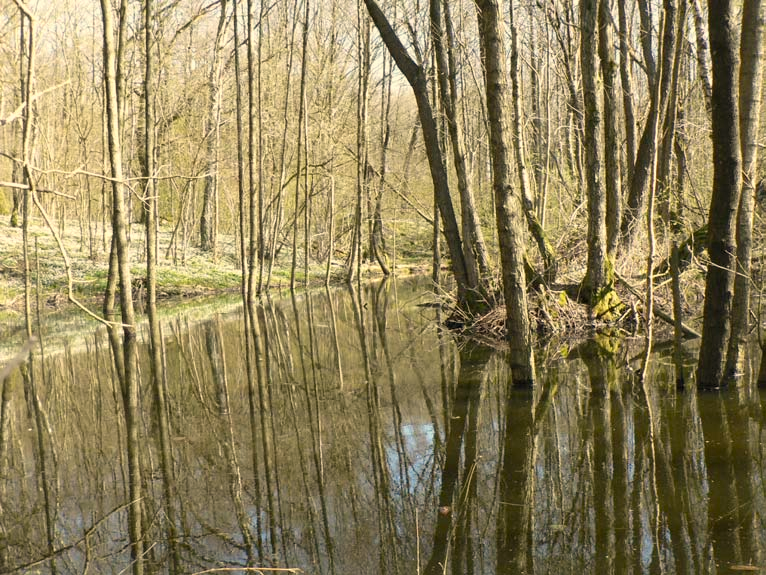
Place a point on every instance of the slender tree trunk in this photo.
(299, 147)
(727, 182)
(277, 219)
(613, 180)
(750, 83)
(703, 53)
(416, 77)
(476, 257)
(377, 244)
(207, 228)
(261, 186)
(151, 202)
(533, 223)
(27, 77)
(255, 225)
(130, 382)
(664, 169)
(626, 78)
(363, 85)
(242, 195)
(596, 278)
(636, 203)
(645, 36)
(508, 205)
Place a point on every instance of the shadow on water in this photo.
(342, 431)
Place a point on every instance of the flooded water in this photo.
(353, 436)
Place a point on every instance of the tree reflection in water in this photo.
(347, 433)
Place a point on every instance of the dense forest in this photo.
(533, 142)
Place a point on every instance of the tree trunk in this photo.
(664, 169)
(130, 384)
(508, 205)
(727, 180)
(626, 78)
(611, 134)
(703, 53)
(416, 77)
(750, 82)
(207, 228)
(636, 203)
(476, 257)
(596, 273)
(299, 148)
(151, 202)
(378, 244)
(362, 173)
(533, 223)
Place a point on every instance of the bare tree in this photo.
(596, 274)
(417, 79)
(122, 269)
(613, 179)
(508, 205)
(640, 180)
(727, 182)
(750, 84)
(477, 259)
(208, 224)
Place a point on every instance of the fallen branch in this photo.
(667, 318)
(16, 186)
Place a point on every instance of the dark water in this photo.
(364, 440)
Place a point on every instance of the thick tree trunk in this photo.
(727, 180)
(750, 81)
(508, 205)
(596, 273)
(416, 77)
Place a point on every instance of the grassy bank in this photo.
(182, 272)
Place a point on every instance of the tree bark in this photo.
(626, 78)
(727, 180)
(703, 53)
(664, 169)
(750, 83)
(151, 202)
(508, 205)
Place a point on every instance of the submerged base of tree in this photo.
(559, 310)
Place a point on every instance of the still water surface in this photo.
(366, 440)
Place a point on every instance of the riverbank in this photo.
(183, 272)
